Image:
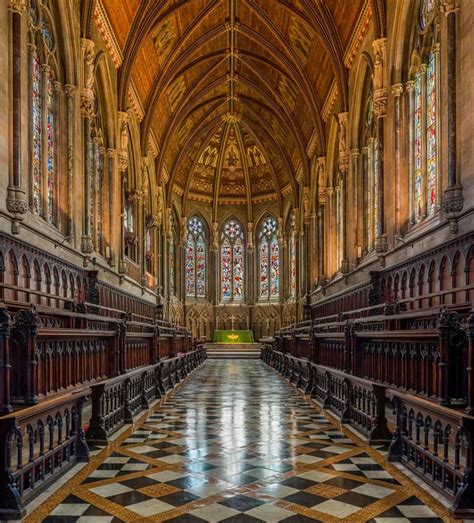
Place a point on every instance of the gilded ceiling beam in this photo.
(276, 32)
(245, 168)
(189, 179)
(323, 24)
(263, 149)
(189, 141)
(217, 177)
(148, 16)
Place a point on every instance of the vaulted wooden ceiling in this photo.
(248, 77)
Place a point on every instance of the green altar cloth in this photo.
(230, 336)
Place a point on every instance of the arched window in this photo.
(268, 260)
(43, 112)
(424, 111)
(196, 259)
(292, 259)
(232, 261)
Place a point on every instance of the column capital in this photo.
(70, 89)
(111, 153)
(58, 87)
(45, 69)
(17, 6)
(410, 85)
(355, 154)
(450, 6)
(397, 90)
(87, 102)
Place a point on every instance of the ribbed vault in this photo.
(233, 90)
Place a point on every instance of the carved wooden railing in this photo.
(116, 401)
(46, 351)
(433, 441)
(436, 443)
(38, 445)
(355, 401)
(423, 352)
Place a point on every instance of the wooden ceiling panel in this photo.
(259, 70)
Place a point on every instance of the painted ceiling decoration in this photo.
(234, 93)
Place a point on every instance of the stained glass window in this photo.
(36, 129)
(292, 262)
(232, 261)
(426, 12)
(269, 260)
(43, 117)
(418, 175)
(425, 115)
(431, 138)
(195, 262)
(51, 171)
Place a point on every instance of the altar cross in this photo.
(232, 318)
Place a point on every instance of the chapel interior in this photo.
(236, 261)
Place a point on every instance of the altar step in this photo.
(244, 351)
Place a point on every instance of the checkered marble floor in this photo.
(236, 443)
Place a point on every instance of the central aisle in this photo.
(237, 443)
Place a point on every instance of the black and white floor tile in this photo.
(235, 443)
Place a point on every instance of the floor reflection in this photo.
(237, 443)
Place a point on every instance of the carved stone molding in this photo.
(152, 221)
(397, 90)
(449, 6)
(452, 205)
(17, 6)
(250, 236)
(87, 48)
(17, 206)
(87, 102)
(380, 103)
(87, 246)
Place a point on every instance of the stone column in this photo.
(356, 204)
(343, 170)
(114, 209)
(397, 90)
(252, 287)
(410, 90)
(122, 157)
(330, 229)
(16, 196)
(320, 202)
(380, 112)
(322, 251)
(70, 91)
(214, 296)
(452, 198)
(87, 109)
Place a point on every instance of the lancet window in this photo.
(196, 259)
(268, 260)
(232, 261)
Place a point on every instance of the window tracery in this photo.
(43, 72)
(269, 260)
(196, 261)
(425, 114)
(232, 261)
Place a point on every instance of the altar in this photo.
(233, 336)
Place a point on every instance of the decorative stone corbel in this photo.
(215, 236)
(87, 92)
(250, 244)
(123, 119)
(379, 80)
